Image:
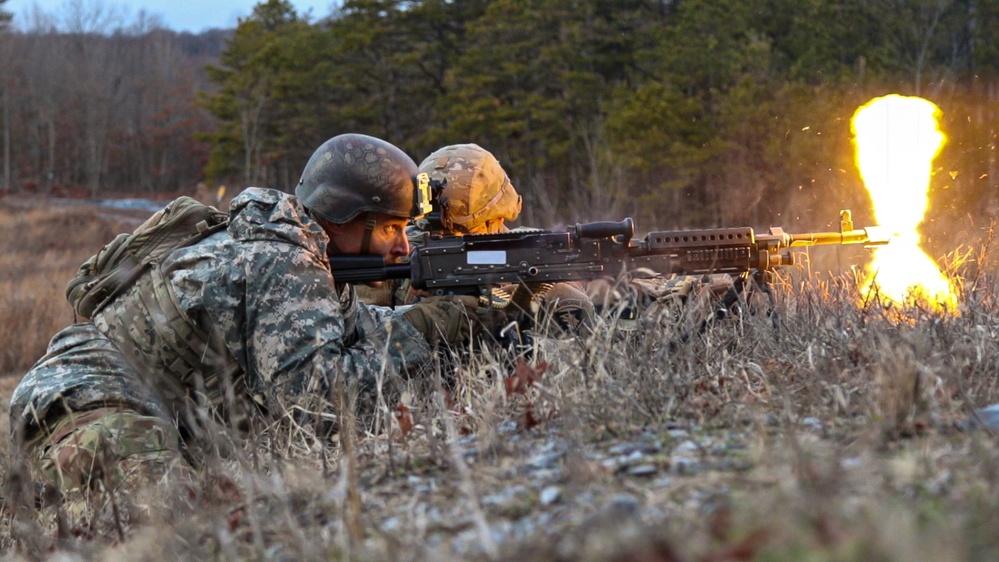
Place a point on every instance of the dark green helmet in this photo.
(353, 174)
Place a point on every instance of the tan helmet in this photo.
(477, 189)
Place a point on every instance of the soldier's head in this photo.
(478, 196)
(363, 191)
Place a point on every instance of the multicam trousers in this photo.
(83, 415)
(108, 445)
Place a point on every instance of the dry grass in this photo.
(838, 439)
(40, 250)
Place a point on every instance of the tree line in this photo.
(677, 112)
(91, 103)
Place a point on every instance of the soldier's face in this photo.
(387, 239)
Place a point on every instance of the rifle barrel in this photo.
(870, 236)
(365, 269)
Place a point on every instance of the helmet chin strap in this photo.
(370, 221)
(369, 229)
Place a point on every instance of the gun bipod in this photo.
(737, 300)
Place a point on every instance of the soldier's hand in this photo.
(649, 290)
(719, 284)
(449, 320)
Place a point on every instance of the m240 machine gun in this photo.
(474, 264)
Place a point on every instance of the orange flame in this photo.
(896, 139)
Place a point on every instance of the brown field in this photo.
(840, 438)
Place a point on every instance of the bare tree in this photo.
(92, 17)
(100, 101)
(251, 107)
(98, 79)
(5, 17)
(45, 97)
(39, 99)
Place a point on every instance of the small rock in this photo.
(851, 462)
(550, 495)
(543, 475)
(662, 482)
(622, 448)
(686, 466)
(643, 470)
(634, 457)
(624, 504)
(812, 423)
(985, 417)
(632, 448)
(512, 502)
(504, 496)
(736, 465)
(687, 447)
(545, 460)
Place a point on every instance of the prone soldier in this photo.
(245, 316)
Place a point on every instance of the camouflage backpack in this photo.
(116, 267)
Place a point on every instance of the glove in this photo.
(719, 284)
(449, 320)
(681, 286)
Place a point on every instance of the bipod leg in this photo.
(762, 280)
(732, 296)
(513, 338)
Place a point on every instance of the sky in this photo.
(178, 15)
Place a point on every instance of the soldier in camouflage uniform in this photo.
(478, 198)
(247, 319)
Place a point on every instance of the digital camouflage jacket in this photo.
(251, 312)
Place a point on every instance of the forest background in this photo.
(680, 113)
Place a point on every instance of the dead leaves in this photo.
(520, 387)
(405, 419)
(523, 378)
(520, 383)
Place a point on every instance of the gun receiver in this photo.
(472, 264)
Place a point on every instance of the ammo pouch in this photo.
(116, 267)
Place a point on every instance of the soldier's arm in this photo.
(298, 337)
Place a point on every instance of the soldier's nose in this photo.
(403, 246)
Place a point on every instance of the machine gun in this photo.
(534, 260)
(473, 264)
